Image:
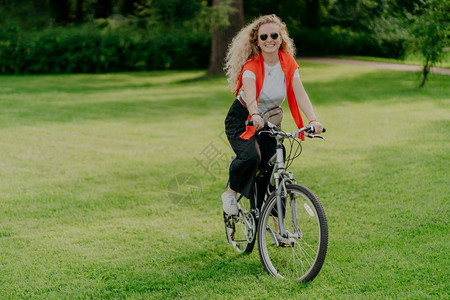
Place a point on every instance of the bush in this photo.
(93, 49)
(88, 49)
(340, 41)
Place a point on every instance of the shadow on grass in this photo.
(188, 94)
(94, 83)
(201, 79)
(213, 272)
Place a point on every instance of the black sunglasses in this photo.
(264, 36)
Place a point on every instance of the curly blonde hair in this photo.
(244, 46)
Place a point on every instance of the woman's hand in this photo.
(318, 128)
(258, 122)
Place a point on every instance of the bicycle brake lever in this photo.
(312, 136)
(269, 132)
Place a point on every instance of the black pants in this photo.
(251, 155)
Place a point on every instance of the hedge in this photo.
(339, 41)
(91, 50)
(88, 49)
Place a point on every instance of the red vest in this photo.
(288, 65)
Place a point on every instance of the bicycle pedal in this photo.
(285, 245)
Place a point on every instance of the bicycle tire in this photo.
(243, 238)
(309, 243)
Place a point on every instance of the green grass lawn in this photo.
(90, 208)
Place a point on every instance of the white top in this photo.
(273, 91)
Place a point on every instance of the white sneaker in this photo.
(229, 203)
(285, 242)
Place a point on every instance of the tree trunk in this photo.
(103, 8)
(79, 12)
(221, 37)
(60, 11)
(312, 13)
(426, 70)
(126, 7)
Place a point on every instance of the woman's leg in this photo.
(243, 168)
(267, 147)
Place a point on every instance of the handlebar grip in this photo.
(313, 129)
(267, 125)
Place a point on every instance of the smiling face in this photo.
(269, 45)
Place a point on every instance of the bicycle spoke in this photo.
(305, 255)
(308, 245)
(303, 248)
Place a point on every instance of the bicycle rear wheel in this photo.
(301, 255)
(241, 229)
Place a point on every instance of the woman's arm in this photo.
(249, 85)
(305, 104)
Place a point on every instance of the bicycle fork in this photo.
(280, 187)
(280, 178)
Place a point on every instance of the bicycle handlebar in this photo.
(272, 127)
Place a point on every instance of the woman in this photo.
(261, 69)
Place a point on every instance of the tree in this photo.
(223, 33)
(176, 13)
(126, 7)
(60, 11)
(103, 9)
(312, 16)
(79, 11)
(430, 28)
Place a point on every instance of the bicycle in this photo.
(291, 227)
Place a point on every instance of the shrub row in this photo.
(91, 50)
(340, 41)
(88, 49)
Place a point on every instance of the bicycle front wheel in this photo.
(299, 255)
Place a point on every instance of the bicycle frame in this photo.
(275, 227)
(280, 177)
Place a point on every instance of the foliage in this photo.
(175, 12)
(343, 27)
(336, 40)
(354, 14)
(151, 38)
(217, 16)
(430, 32)
(87, 162)
(389, 34)
(24, 14)
(121, 35)
(89, 49)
